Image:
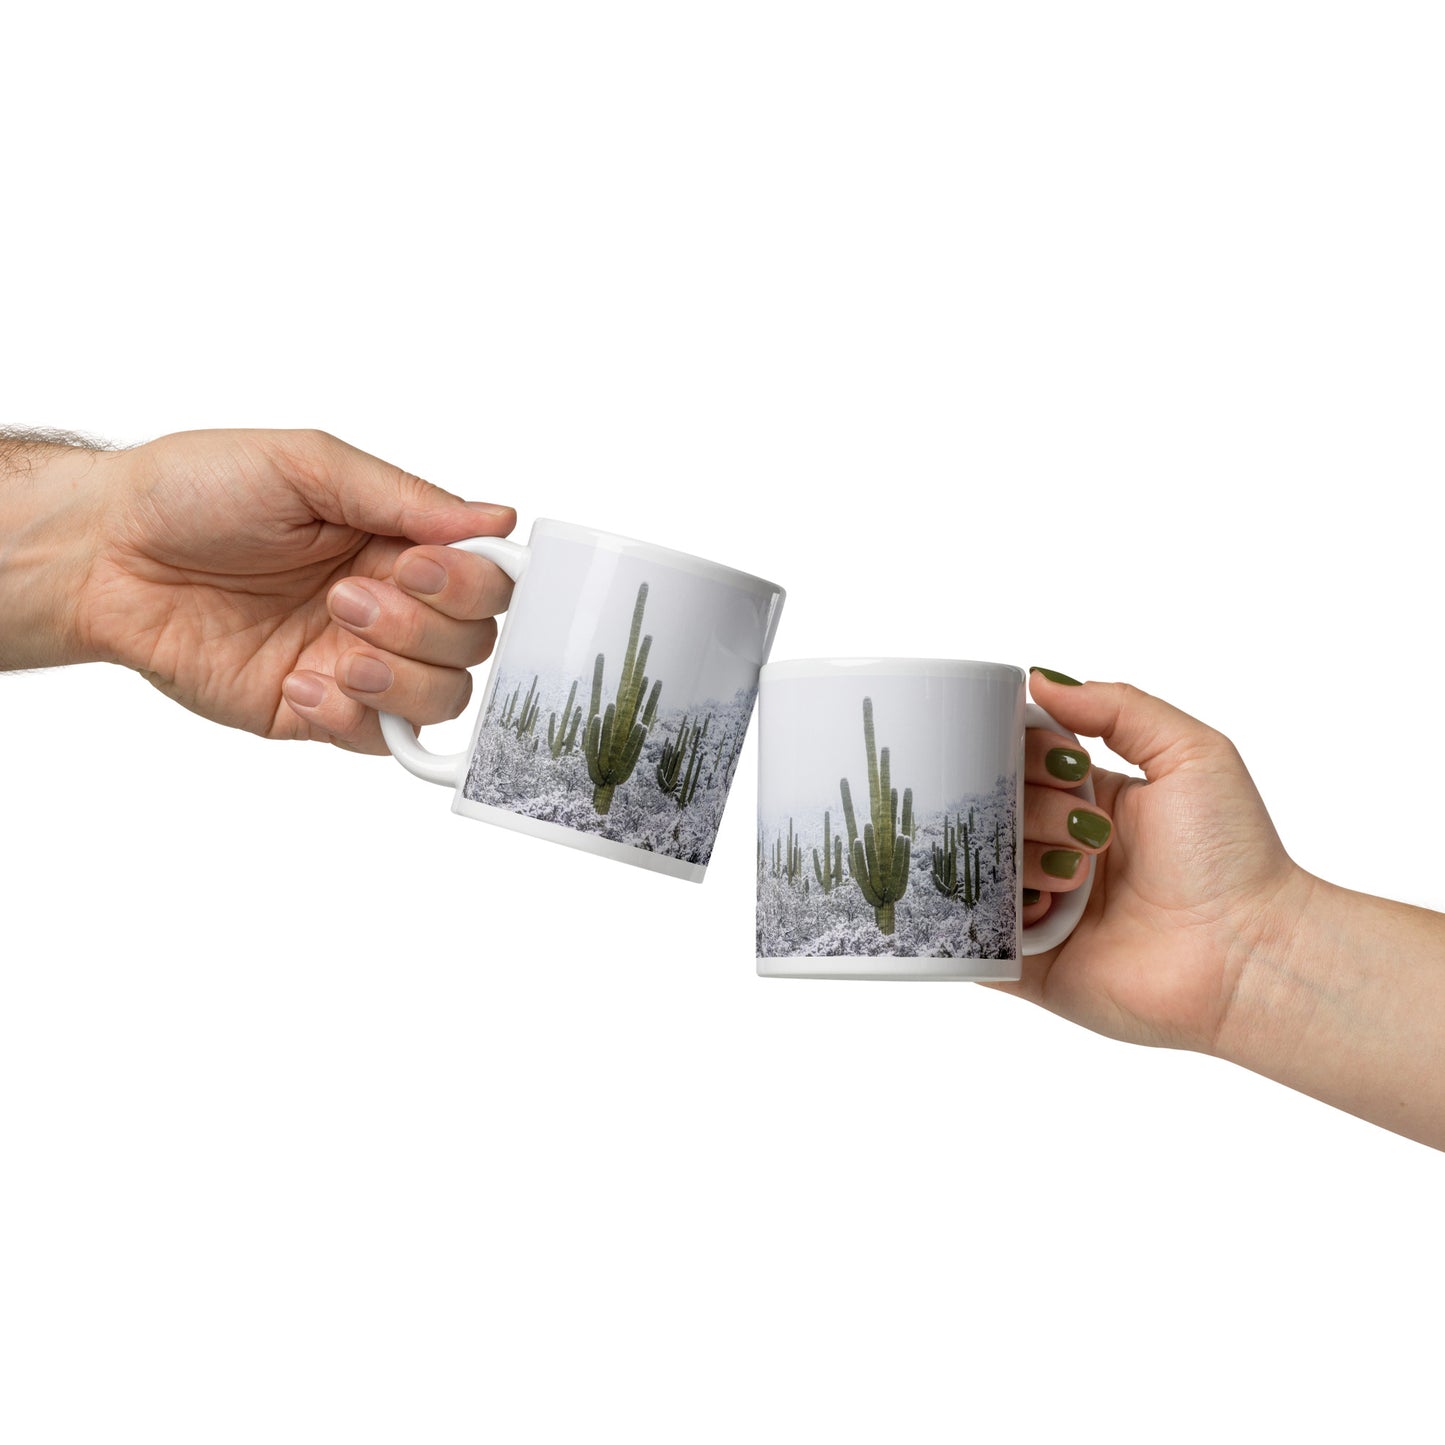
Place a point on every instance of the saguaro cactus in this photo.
(945, 863)
(671, 775)
(613, 740)
(793, 863)
(505, 720)
(562, 737)
(669, 769)
(879, 858)
(829, 872)
(526, 719)
(694, 767)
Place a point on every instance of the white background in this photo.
(1106, 337)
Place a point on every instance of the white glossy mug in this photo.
(890, 799)
(618, 699)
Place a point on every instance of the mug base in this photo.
(584, 842)
(896, 970)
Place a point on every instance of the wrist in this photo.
(48, 509)
(1279, 970)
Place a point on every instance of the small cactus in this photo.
(793, 862)
(694, 768)
(669, 769)
(505, 720)
(526, 718)
(562, 737)
(945, 863)
(829, 871)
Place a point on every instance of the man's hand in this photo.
(213, 563)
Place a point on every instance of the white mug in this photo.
(618, 699)
(890, 798)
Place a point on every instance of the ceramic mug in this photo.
(617, 700)
(890, 793)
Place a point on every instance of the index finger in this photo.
(458, 584)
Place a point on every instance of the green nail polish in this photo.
(1061, 862)
(1091, 829)
(1053, 676)
(1070, 764)
(1031, 896)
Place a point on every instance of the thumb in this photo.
(1141, 728)
(340, 483)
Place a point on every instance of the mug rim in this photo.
(670, 556)
(806, 667)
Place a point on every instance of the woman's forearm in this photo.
(45, 506)
(1344, 999)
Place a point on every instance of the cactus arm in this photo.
(860, 875)
(596, 705)
(900, 866)
(848, 818)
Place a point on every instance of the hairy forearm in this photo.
(1347, 1003)
(47, 502)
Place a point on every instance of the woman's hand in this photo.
(1193, 882)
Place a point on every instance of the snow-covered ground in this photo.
(522, 776)
(799, 919)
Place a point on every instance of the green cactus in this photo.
(613, 740)
(829, 871)
(562, 737)
(977, 875)
(526, 719)
(879, 859)
(969, 896)
(793, 859)
(669, 769)
(505, 720)
(694, 767)
(945, 863)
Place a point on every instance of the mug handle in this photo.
(448, 768)
(1067, 908)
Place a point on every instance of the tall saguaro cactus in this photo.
(879, 858)
(613, 740)
(829, 872)
(562, 737)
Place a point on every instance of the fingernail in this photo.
(1061, 862)
(1091, 829)
(368, 674)
(490, 507)
(303, 689)
(1031, 896)
(1070, 764)
(1053, 676)
(354, 605)
(421, 574)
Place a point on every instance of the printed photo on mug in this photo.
(889, 802)
(618, 700)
